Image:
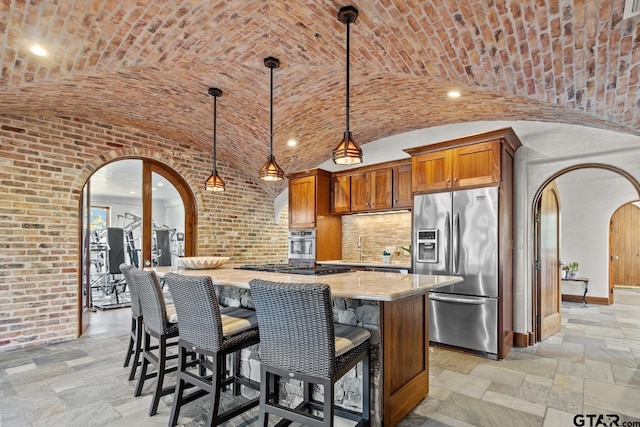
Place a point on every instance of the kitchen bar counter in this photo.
(392, 306)
(365, 285)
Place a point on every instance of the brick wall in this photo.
(378, 231)
(44, 163)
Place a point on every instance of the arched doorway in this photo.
(147, 216)
(586, 193)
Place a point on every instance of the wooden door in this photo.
(381, 188)
(431, 171)
(402, 196)
(548, 264)
(477, 164)
(302, 202)
(625, 246)
(360, 192)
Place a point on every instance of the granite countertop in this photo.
(394, 264)
(365, 285)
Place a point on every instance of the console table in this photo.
(585, 282)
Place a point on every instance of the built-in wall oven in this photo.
(302, 246)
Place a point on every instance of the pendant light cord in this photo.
(347, 103)
(271, 116)
(215, 107)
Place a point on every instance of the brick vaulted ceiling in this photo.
(147, 64)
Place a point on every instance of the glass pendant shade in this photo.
(348, 152)
(214, 182)
(271, 171)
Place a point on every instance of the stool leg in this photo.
(162, 363)
(138, 349)
(131, 343)
(145, 365)
(328, 403)
(177, 397)
(216, 379)
(236, 373)
(366, 412)
(265, 391)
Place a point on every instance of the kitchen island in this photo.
(392, 306)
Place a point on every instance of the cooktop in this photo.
(296, 269)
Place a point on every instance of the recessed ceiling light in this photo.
(160, 184)
(132, 192)
(38, 50)
(454, 94)
(292, 142)
(153, 188)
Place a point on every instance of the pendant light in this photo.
(214, 182)
(271, 171)
(347, 152)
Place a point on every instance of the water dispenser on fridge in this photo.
(427, 244)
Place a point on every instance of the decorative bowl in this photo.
(204, 262)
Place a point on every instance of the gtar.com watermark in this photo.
(602, 420)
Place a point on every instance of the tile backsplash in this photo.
(377, 232)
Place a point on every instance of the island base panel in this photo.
(405, 354)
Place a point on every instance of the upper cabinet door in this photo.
(341, 200)
(476, 164)
(381, 187)
(360, 192)
(402, 196)
(432, 171)
(302, 202)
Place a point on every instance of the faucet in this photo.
(360, 245)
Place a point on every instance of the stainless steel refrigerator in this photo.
(456, 234)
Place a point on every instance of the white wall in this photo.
(588, 199)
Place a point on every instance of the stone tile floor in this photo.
(592, 366)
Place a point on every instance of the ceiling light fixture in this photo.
(454, 94)
(271, 171)
(38, 50)
(347, 152)
(214, 182)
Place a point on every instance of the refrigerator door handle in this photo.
(447, 238)
(456, 243)
(457, 300)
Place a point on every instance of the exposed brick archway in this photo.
(149, 166)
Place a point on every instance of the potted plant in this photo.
(386, 257)
(569, 270)
(573, 270)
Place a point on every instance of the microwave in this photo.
(302, 245)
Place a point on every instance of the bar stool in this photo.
(158, 325)
(299, 340)
(212, 333)
(135, 338)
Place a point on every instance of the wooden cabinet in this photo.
(341, 189)
(302, 202)
(310, 208)
(371, 190)
(462, 167)
(402, 196)
(474, 161)
(379, 187)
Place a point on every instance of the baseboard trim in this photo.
(522, 340)
(589, 299)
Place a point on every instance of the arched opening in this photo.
(588, 195)
(133, 210)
